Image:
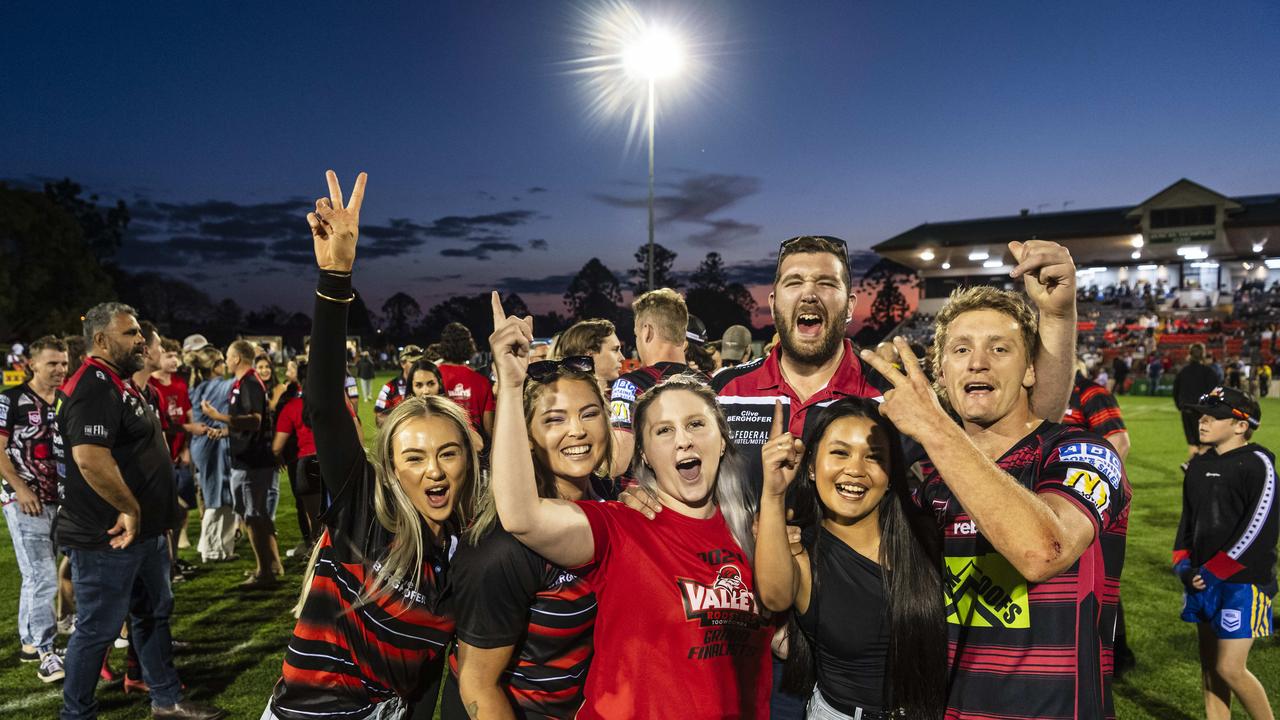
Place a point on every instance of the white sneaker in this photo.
(67, 625)
(121, 643)
(51, 669)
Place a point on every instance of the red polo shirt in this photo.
(763, 379)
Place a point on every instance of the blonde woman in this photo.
(678, 630)
(210, 455)
(372, 628)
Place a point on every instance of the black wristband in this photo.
(335, 285)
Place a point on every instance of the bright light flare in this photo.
(658, 54)
(620, 51)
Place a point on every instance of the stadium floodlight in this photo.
(1208, 265)
(946, 266)
(992, 263)
(1137, 241)
(977, 255)
(1272, 263)
(1137, 254)
(1190, 250)
(927, 255)
(1257, 247)
(1145, 268)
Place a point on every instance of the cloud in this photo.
(481, 251)
(185, 250)
(536, 189)
(538, 244)
(464, 226)
(722, 233)
(549, 284)
(694, 200)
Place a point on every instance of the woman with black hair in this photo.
(425, 379)
(293, 428)
(865, 589)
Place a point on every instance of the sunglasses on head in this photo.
(1216, 400)
(544, 370)
(829, 238)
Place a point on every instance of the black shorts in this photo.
(1191, 427)
(306, 477)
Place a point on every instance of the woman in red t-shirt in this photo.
(678, 628)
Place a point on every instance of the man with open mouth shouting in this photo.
(1033, 515)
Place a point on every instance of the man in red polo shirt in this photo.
(814, 363)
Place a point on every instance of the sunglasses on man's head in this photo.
(1216, 400)
(546, 369)
(829, 238)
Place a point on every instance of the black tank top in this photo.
(847, 625)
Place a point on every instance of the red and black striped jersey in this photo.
(391, 394)
(507, 595)
(1020, 649)
(1093, 408)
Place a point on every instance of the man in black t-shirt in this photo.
(253, 465)
(118, 501)
(1192, 382)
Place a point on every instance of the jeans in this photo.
(783, 706)
(366, 388)
(111, 585)
(37, 561)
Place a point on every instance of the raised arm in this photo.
(779, 575)
(1041, 535)
(1049, 276)
(557, 530)
(334, 231)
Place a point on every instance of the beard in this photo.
(810, 353)
(129, 362)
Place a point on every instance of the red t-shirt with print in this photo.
(469, 389)
(679, 632)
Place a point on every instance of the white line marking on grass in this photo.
(30, 701)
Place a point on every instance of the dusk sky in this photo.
(215, 122)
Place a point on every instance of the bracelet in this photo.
(334, 299)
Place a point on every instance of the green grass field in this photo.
(236, 640)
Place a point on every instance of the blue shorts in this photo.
(1234, 610)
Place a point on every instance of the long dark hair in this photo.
(911, 564)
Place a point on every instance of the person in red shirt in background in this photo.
(463, 385)
(175, 404)
(291, 421)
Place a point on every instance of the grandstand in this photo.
(1186, 265)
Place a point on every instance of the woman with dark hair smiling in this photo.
(866, 589)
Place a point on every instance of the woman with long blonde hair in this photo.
(373, 626)
(678, 629)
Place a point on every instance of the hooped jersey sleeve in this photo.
(1085, 469)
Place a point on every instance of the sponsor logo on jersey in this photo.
(25, 400)
(624, 390)
(1089, 486)
(33, 417)
(620, 412)
(1230, 619)
(96, 431)
(1101, 457)
(986, 591)
(967, 527)
(460, 392)
(4, 409)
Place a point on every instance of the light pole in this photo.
(655, 55)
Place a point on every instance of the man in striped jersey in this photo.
(1033, 513)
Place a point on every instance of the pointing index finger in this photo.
(776, 428)
(499, 316)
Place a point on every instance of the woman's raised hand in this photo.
(780, 456)
(510, 345)
(336, 227)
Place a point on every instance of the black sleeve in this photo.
(252, 399)
(338, 449)
(91, 416)
(494, 583)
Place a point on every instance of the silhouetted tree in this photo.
(400, 313)
(889, 307)
(48, 271)
(474, 311)
(663, 259)
(593, 293)
(716, 301)
(103, 227)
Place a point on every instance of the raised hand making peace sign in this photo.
(336, 227)
(912, 405)
(510, 345)
(780, 456)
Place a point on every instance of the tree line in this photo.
(59, 256)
